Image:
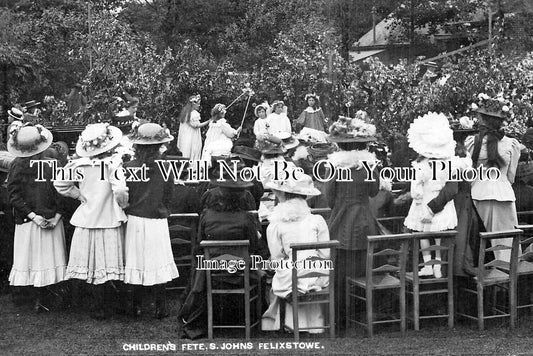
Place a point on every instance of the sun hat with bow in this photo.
(431, 136)
(97, 139)
(26, 140)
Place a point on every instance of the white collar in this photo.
(311, 110)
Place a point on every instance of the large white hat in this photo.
(97, 139)
(26, 140)
(431, 136)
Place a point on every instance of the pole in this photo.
(244, 115)
(490, 29)
(374, 12)
(90, 37)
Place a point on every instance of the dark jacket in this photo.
(27, 195)
(149, 199)
(445, 195)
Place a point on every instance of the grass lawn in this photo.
(22, 331)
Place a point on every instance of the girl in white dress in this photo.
(292, 222)
(278, 120)
(189, 135)
(432, 138)
(218, 140)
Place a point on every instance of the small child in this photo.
(261, 124)
(312, 117)
(432, 138)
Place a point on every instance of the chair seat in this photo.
(494, 276)
(524, 267)
(425, 280)
(378, 281)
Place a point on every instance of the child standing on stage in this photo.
(96, 253)
(432, 138)
(189, 135)
(39, 257)
(312, 117)
(149, 259)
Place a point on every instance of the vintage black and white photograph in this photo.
(256, 177)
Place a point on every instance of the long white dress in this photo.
(218, 139)
(292, 222)
(190, 137)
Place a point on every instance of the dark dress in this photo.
(351, 221)
(215, 225)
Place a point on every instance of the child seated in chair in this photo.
(292, 222)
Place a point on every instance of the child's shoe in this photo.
(426, 271)
(437, 271)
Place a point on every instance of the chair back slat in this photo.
(498, 248)
(433, 263)
(388, 252)
(490, 272)
(498, 264)
(435, 248)
(385, 245)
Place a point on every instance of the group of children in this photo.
(121, 231)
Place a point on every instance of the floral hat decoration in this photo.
(347, 129)
(26, 140)
(195, 98)
(496, 107)
(311, 95)
(149, 133)
(431, 136)
(98, 138)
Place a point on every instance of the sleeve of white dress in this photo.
(513, 163)
(194, 120)
(67, 188)
(274, 242)
(228, 130)
(322, 235)
(469, 144)
(257, 128)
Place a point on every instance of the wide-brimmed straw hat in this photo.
(269, 147)
(288, 139)
(498, 107)
(97, 139)
(348, 129)
(149, 134)
(26, 140)
(15, 114)
(246, 152)
(303, 186)
(31, 104)
(431, 136)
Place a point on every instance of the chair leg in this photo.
(282, 310)
(403, 318)
(348, 312)
(295, 321)
(416, 306)
(369, 312)
(480, 315)
(209, 316)
(451, 307)
(512, 303)
(247, 314)
(332, 324)
(259, 301)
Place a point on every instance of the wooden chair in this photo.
(417, 287)
(324, 296)
(490, 275)
(524, 269)
(380, 277)
(251, 291)
(183, 228)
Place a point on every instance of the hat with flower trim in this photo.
(97, 139)
(431, 136)
(26, 140)
(496, 107)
